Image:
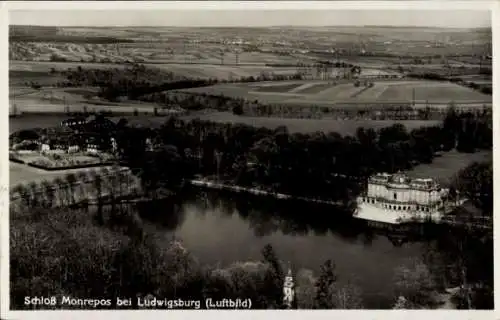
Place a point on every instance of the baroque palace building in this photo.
(395, 198)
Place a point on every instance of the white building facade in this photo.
(397, 198)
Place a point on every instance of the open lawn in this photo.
(445, 167)
(36, 157)
(21, 173)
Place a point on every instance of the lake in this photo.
(219, 228)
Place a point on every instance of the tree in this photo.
(49, 191)
(305, 292)
(274, 277)
(346, 296)
(452, 127)
(414, 282)
(23, 192)
(83, 179)
(35, 193)
(403, 303)
(61, 191)
(476, 183)
(326, 279)
(238, 109)
(71, 181)
(96, 179)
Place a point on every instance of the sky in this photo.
(253, 18)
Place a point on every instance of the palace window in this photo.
(395, 196)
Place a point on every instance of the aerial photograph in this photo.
(250, 159)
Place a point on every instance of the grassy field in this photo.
(445, 167)
(345, 127)
(432, 91)
(325, 94)
(315, 88)
(281, 88)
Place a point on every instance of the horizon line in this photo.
(252, 27)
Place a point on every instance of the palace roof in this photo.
(400, 180)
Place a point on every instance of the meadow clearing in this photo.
(445, 167)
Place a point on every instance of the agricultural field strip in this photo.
(373, 93)
(283, 94)
(302, 87)
(393, 92)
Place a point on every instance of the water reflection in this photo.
(266, 216)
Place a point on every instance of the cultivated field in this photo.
(325, 93)
(22, 71)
